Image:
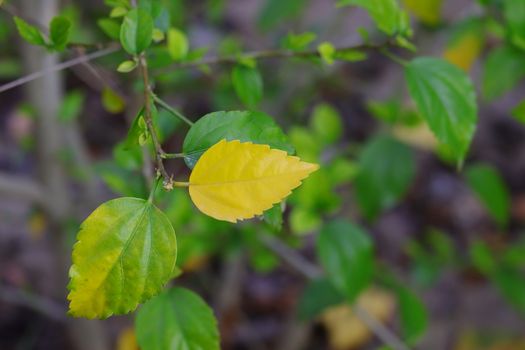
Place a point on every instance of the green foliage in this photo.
(514, 11)
(503, 69)
(386, 170)
(71, 106)
(126, 66)
(178, 45)
(327, 124)
(136, 32)
(29, 33)
(110, 27)
(446, 99)
(274, 12)
(59, 31)
(176, 319)
(318, 295)
(112, 101)
(125, 253)
(327, 52)
(248, 85)
(346, 253)
(490, 188)
(413, 315)
(298, 42)
(256, 127)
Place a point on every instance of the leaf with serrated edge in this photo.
(236, 181)
(125, 254)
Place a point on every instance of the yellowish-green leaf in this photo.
(327, 52)
(235, 181)
(427, 11)
(112, 102)
(125, 253)
(178, 45)
(466, 44)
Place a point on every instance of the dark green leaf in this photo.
(413, 313)
(514, 11)
(136, 32)
(276, 11)
(29, 33)
(318, 295)
(446, 99)
(386, 170)
(59, 31)
(490, 188)
(503, 69)
(248, 85)
(346, 253)
(274, 217)
(245, 126)
(177, 319)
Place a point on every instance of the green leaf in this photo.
(518, 112)
(491, 190)
(277, 11)
(126, 66)
(112, 102)
(59, 31)
(346, 253)
(178, 45)
(502, 71)
(387, 15)
(274, 217)
(386, 171)
(177, 319)
(318, 295)
(71, 106)
(514, 12)
(512, 286)
(298, 42)
(482, 257)
(118, 12)
(125, 253)
(136, 32)
(248, 85)
(446, 99)
(256, 127)
(29, 33)
(327, 124)
(327, 52)
(110, 27)
(413, 314)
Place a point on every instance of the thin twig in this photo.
(159, 152)
(64, 65)
(311, 271)
(173, 155)
(275, 53)
(172, 110)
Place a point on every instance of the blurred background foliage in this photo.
(446, 261)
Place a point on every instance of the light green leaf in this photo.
(413, 314)
(491, 190)
(29, 33)
(446, 99)
(503, 69)
(298, 42)
(112, 102)
(59, 31)
(136, 31)
(71, 106)
(245, 126)
(110, 27)
(326, 123)
(386, 171)
(248, 85)
(387, 15)
(125, 253)
(178, 45)
(318, 295)
(177, 319)
(327, 52)
(126, 66)
(118, 12)
(346, 253)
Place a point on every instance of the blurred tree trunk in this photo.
(45, 95)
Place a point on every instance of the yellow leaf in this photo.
(235, 181)
(419, 136)
(427, 11)
(464, 51)
(127, 340)
(346, 330)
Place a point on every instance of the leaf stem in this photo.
(394, 57)
(172, 110)
(180, 184)
(173, 155)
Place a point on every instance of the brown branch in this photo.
(159, 152)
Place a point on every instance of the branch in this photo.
(26, 189)
(159, 152)
(311, 271)
(64, 65)
(34, 302)
(275, 53)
